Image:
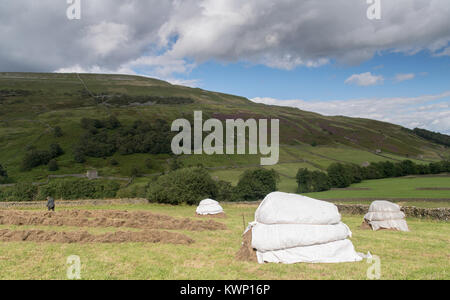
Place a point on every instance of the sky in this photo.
(324, 56)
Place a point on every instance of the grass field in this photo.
(405, 187)
(422, 253)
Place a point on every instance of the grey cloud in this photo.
(305, 31)
(36, 35)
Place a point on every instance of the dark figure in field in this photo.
(50, 203)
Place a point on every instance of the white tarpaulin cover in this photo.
(384, 206)
(399, 225)
(334, 252)
(283, 208)
(291, 228)
(209, 207)
(386, 215)
(283, 236)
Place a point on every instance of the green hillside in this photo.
(32, 105)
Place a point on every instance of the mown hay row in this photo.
(136, 219)
(83, 237)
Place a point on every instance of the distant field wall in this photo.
(441, 214)
(64, 203)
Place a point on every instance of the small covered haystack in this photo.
(384, 215)
(209, 207)
(291, 228)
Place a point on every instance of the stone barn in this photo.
(92, 174)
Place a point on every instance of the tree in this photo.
(57, 132)
(445, 166)
(53, 165)
(373, 171)
(224, 191)
(423, 169)
(35, 158)
(79, 157)
(356, 173)
(3, 172)
(3, 175)
(56, 150)
(304, 181)
(408, 167)
(388, 169)
(189, 185)
(321, 181)
(255, 184)
(112, 123)
(175, 164)
(24, 192)
(435, 168)
(103, 138)
(135, 172)
(340, 175)
(312, 181)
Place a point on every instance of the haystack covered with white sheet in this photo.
(385, 215)
(209, 207)
(291, 228)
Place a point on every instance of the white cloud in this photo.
(97, 70)
(364, 79)
(106, 37)
(404, 77)
(431, 112)
(282, 34)
(162, 65)
(184, 82)
(159, 69)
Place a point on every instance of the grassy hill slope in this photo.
(33, 104)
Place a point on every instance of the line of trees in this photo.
(103, 138)
(312, 181)
(438, 138)
(35, 158)
(66, 189)
(191, 185)
(179, 186)
(340, 175)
